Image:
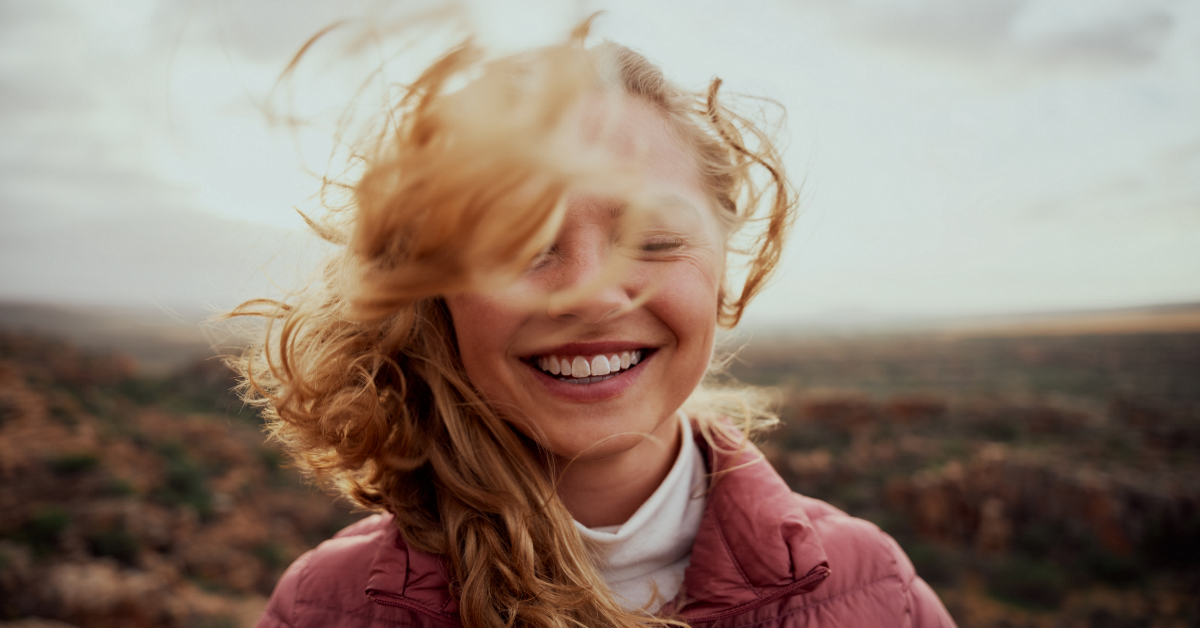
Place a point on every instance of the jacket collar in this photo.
(407, 578)
(755, 545)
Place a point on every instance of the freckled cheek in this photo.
(688, 307)
(484, 327)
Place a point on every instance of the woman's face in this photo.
(588, 374)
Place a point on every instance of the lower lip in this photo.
(599, 391)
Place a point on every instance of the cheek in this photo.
(483, 327)
(687, 303)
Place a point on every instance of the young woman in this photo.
(505, 361)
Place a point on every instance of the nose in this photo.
(590, 285)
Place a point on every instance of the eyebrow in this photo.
(664, 200)
(675, 200)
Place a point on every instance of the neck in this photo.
(607, 491)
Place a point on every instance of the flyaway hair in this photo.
(359, 374)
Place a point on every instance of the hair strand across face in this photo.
(359, 375)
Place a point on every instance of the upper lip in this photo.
(592, 348)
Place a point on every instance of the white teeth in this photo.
(581, 367)
(599, 365)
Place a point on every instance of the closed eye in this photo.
(660, 244)
(542, 257)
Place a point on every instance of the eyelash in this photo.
(541, 258)
(655, 245)
(660, 244)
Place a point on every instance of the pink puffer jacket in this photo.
(764, 557)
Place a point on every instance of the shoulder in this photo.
(856, 547)
(872, 581)
(329, 579)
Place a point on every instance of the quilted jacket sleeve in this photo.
(922, 606)
(281, 608)
(927, 611)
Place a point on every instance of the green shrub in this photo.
(118, 487)
(142, 390)
(272, 459)
(1037, 539)
(8, 410)
(936, 565)
(115, 543)
(74, 464)
(186, 482)
(1027, 582)
(1001, 428)
(63, 414)
(1099, 564)
(44, 530)
(216, 621)
(270, 555)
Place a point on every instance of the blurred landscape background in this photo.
(1040, 472)
(1043, 472)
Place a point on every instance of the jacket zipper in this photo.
(390, 600)
(816, 575)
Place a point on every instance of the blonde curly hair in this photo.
(359, 375)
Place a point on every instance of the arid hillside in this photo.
(1037, 477)
(134, 502)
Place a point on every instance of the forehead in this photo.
(638, 135)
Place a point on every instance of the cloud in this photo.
(75, 115)
(1180, 156)
(239, 26)
(1036, 35)
(15, 16)
(1131, 39)
(976, 25)
(181, 259)
(27, 94)
(35, 196)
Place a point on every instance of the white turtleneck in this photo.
(650, 551)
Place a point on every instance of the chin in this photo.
(607, 436)
(601, 448)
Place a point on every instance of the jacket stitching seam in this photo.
(339, 609)
(721, 534)
(906, 589)
(279, 618)
(736, 563)
(820, 602)
(905, 583)
(301, 578)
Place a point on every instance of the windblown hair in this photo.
(359, 375)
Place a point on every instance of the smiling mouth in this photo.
(582, 369)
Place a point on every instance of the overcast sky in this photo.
(958, 158)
